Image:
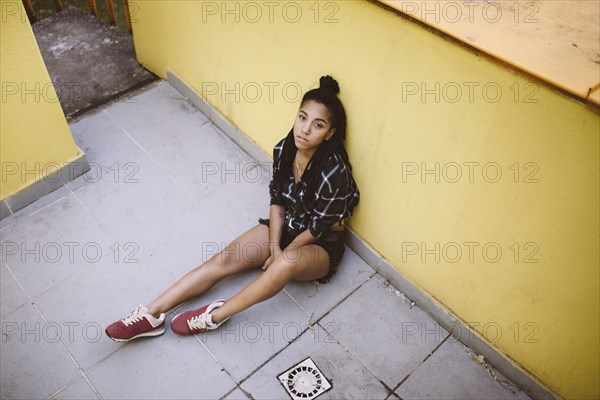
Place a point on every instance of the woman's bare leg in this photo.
(311, 262)
(250, 250)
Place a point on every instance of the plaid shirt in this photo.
(335, 197)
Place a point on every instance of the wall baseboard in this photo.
(45, 185)
(458, 328)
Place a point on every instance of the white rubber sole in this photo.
(147, 334)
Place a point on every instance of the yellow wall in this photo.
(35, 138)
(548, 312)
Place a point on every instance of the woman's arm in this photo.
(276, 221)
(276, 217)
(302, 239)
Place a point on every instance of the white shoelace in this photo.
(134, 317)
(198, 322)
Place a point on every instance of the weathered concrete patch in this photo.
(89, 61)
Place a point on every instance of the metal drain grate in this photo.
(304, 381)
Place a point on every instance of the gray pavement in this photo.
(89, 61)
(165, 191)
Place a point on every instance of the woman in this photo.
(312, 194)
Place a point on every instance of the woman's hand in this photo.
(275, 254)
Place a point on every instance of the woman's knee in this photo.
(284, 269)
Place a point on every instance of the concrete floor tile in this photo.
(348, 377)
(75, 303)
(34, 364)
(106, 145)
(236, 216)
(155, 115)
(319, 298)
(11, 294)
(251, 337)
(78, 390)
(180, 244)
(451, 374)
(37, 205)
(133, 199)
(52, 244)
(202, 160)
(166, 367)
(381, 330)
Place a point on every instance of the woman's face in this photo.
(312, 126)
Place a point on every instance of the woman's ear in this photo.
(330, 134)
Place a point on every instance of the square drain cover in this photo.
(304, 381)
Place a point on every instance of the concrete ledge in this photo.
(458, 328)
(45, 185)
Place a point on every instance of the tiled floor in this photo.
(155, 204)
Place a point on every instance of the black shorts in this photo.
(332, 242)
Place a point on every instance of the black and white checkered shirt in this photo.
(335, 197)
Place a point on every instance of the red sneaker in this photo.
(137, 324)
(197, 321)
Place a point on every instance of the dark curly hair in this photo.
(325, 94)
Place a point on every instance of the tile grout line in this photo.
(44, 291)
(196, 202)
(59, 339)
(120, 245)
(336, 304)
(345, 297)
(92, 386)
(299, 305)
(147, 153)
(356, 359)
(422, 362)
(387, 387)
(39, 295)
(223, 368)
(218, 132)
(308, 327)
(71, 384)
(238, 387)
(318, 322)
(159, 166)
(114, 242)
(31, 301)
(42, 208)
(64, 387)
(87, 371)
(297, 338)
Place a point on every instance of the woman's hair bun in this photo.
(328, 84)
